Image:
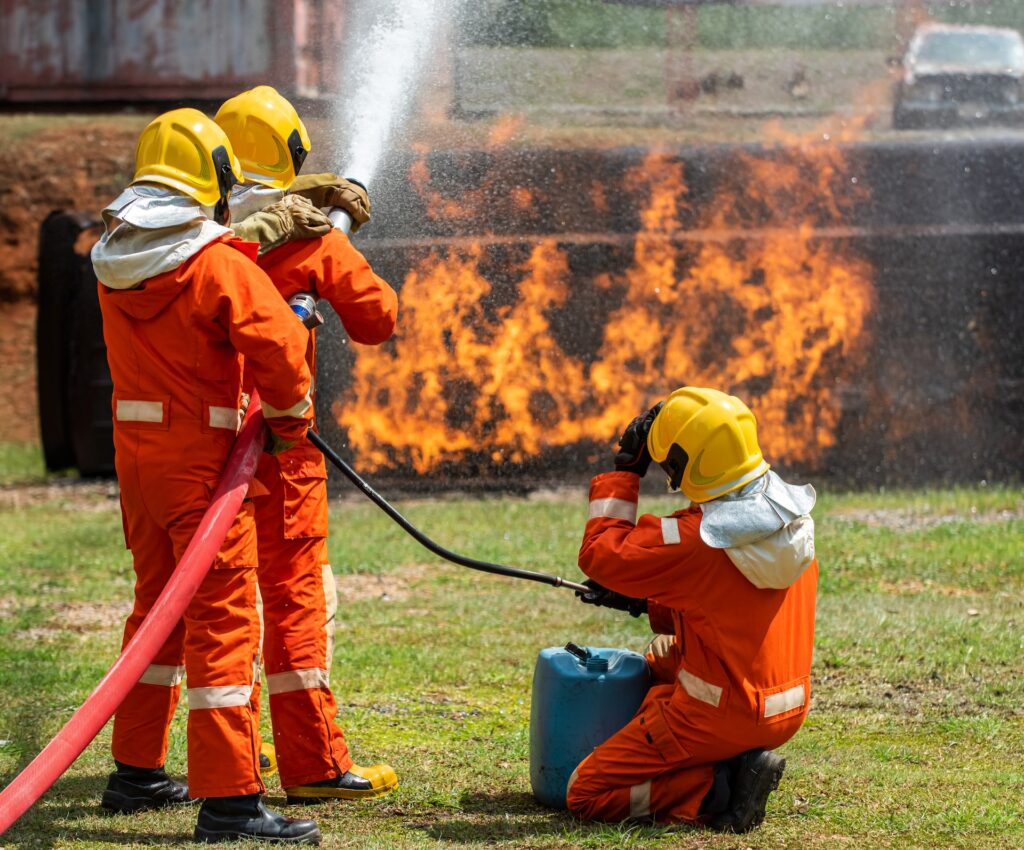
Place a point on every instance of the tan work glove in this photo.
(293, 217)
(329, 190)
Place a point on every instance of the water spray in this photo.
(383, 74)
(420, 537)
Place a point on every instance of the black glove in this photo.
(606, 598)
(633, 455)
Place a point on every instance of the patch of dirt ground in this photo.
(65, 494)
(18, 399)
(79, 618)
(908, 519)
(912, 587)
(77, 163)
(386, 587)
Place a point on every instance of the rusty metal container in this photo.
(57, 51)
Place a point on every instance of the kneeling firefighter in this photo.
(729, 584)
(182, 304)
(306, 259)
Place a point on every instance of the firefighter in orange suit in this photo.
(183, 303)
(296, 580)
(729, 582)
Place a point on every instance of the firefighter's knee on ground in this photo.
(580, 805)
(578, 801)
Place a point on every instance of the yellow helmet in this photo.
(707, 442)
(187, 151)
(267, 134)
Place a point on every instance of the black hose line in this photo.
(447, 554)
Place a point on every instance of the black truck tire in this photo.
(90, 386)
(59, 278)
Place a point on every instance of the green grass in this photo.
(20, 462)
(914, 738)
(603, 24)
(21, 127)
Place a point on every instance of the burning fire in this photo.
(466, 372)
(752, 301)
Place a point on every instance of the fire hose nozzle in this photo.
(339, 218)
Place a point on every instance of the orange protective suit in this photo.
(734, 676)
(175, 346)
(296, 579)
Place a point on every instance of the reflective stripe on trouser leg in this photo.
(257, 667)
(222, 634)
(299, 600)
(640, 800)
(142, 722)
(331, 599)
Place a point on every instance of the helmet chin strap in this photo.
(220, 213)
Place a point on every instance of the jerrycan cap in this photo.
(593, 663)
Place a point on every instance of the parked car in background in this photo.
(961, 75)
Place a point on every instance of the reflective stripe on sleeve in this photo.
(128, 410)
(669, 530)
(297, 409)
(614, 508)
(297, 680)
(785, 701)
(640, 800)
(228, 696)
(225, 417)
(163, 674)
(699, 689)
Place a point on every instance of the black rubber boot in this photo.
(229, 818)
(716, 801)
(138, 789)
(756, 774)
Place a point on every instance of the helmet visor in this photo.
(298, 151)
(225, 173)
(674, 465)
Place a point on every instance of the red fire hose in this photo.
(29, 785)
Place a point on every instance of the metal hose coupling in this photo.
(303, 305)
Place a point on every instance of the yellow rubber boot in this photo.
(360, 783)
(268, 761)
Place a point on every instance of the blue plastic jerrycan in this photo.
(581, 697)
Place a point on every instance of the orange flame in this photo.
(776, 316)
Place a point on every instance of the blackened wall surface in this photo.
(940, 394)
